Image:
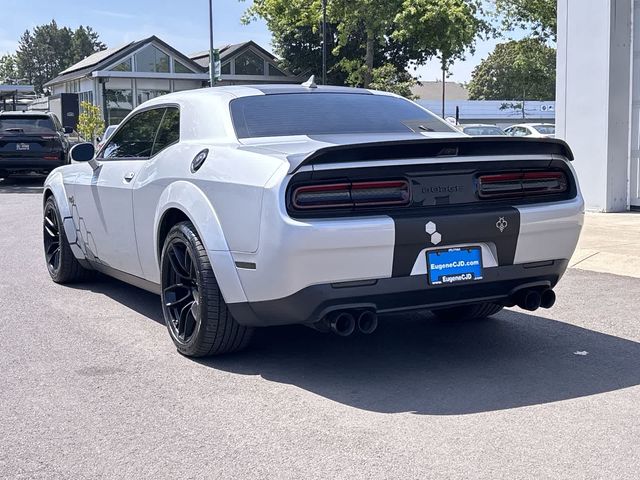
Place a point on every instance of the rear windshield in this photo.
(545, 129)
(26, 124)
(329, 113)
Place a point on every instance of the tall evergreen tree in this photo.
(48, 50)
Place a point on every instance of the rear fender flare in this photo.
(195, 205)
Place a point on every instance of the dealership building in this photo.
(598, 98)
(119, 79)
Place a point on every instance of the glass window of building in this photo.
(123, 66)
(148, 94)
(226, 69)
(275, 72)
(118, 103)
(151, 59)
(249, 63)
(180, 68)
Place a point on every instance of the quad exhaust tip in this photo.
(367, 322)
(342, 323)
(532, 300)
(345, 322)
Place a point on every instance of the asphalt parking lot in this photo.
(91, 386)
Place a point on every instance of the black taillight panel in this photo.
(351, 195)
(522, 184)
(422, 188)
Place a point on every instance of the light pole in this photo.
(212, 60)
(324, 42)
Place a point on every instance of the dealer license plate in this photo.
(454, 265)
(22, 146)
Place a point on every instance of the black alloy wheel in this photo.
(195, 312)
(51, 234)
(182, 296)
(62, 265)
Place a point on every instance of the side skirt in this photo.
(128, 278)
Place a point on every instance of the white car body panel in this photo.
(237, 203)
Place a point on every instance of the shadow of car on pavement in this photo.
(417, 363)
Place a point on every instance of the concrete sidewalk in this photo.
(610, 243)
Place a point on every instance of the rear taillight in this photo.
(352, 194)
(521, 184)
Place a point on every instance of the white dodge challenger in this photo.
(253, 206)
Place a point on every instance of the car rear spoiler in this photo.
(432, 148)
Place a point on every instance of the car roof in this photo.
(533, 124)
(26, 113)
(479, 125)
(237, 91)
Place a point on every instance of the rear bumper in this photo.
(26, 165)
(397, 294)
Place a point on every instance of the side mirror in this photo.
(67, 130)
(82, 152)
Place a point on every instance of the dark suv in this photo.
(31, 142)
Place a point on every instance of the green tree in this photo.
(539, 15)
(9, 69)
(517, 70)
(446, 29)
(48, 50)
(389, 79)
(90, 122)
(364, 34)
(84, 42)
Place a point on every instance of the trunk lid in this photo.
(321, 149)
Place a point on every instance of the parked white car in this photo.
(535, 130)
(252, 206)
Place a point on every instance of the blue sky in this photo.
(184, 25)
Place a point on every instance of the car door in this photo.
(103, 198)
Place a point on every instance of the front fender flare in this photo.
(193, 203)
(54, 184)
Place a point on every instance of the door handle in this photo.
(129, 176)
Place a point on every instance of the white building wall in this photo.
(634, 169)
(593, 100)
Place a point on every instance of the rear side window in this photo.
(135, 138)
(26, 124)
(320, 113)
(169, 131)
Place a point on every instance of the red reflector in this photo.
(355, 194)
(51, 157)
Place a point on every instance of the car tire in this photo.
(468, 312)
(197, 317)
(62, 264)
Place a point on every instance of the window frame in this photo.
(165, 106)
